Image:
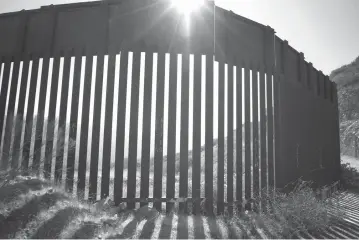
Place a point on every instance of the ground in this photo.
(32, 208)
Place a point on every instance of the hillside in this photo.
(347, 80)
(347, 75)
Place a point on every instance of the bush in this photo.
(350, 176)
(286, 215)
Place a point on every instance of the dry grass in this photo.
(287, 215)
(32, 208)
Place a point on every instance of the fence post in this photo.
(55, 15)
(326, 83)
(269, 48)
(183, 168)
(285, 59)
(74, 116)
(301, 71)
(106, 157)
(106, 10)
(23, 31)
(95, 153)
(309, 75)
(279, 169)
(322, 84)
(239, 134)
(230, 129)
(319, 85)
(283, 168)
(269, 63)
(337, 133)
(209, 117)
(327, 87)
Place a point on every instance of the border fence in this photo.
(112, 102)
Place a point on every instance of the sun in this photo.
(187, 6)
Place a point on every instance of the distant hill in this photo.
(347, 75)
(347, 80)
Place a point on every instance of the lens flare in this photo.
(187, 6)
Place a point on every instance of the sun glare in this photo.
(187, 6)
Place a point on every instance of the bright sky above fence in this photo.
(327, 31)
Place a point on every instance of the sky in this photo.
(326, 31)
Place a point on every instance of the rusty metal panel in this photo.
(313, 80)
(230, 40)
(138, 24)
(79, 28)
(40, 32)
(306, 134)
(292, 63)
(278, 53)
(9, 29)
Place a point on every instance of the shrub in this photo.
(350, 176)
(286, 215)
(349, 137)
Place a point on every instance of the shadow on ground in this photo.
(77, 220)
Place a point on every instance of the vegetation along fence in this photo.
(349, 146)
(110, 100)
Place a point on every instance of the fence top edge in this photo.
(68, 7)
(72, 5)
(96, 52)
(241, 18)
(293, 49)
(62, 7)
